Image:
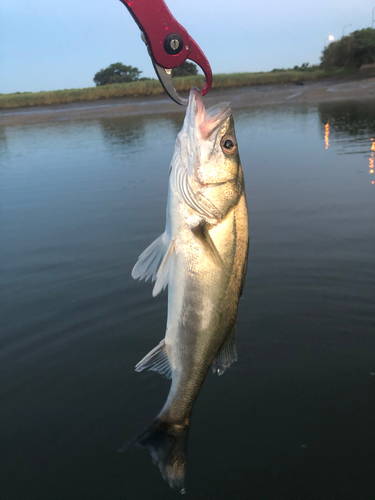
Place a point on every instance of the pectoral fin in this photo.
(227, 355)
(203, 236)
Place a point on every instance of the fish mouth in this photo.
(207, 120)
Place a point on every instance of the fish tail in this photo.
(167, 445)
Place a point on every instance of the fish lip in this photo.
(195, 92)
(207, 120)
(196, 98)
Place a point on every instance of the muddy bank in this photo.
(244, 97)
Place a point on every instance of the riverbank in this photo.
(153, 87)
(311, 92)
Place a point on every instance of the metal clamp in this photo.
(168, 43)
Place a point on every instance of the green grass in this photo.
(153, 87)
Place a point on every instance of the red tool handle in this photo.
(156, 22)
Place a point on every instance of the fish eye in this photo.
(228, 145)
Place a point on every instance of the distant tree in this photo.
(351, 51)
(116, 73)
(303, 67)
(186, 69)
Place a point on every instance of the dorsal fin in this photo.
(156, 361)
(150, 259)
(165, 270)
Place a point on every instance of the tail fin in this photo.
(167, 445)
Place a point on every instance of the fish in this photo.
(202, 258)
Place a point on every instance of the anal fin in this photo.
(227, 355)
(156, 361)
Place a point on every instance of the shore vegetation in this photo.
(117, 73)
(152, 87)
(352, 51)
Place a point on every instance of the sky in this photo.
(50, 44)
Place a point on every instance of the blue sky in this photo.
(50, 44)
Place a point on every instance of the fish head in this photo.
(211, 146)
(207, 157)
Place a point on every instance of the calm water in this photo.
(294, 418)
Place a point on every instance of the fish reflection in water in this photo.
(202, 258)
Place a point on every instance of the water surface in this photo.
(294, 417)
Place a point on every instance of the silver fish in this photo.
(202, 258)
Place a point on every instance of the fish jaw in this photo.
(206, 122)
(199, 131)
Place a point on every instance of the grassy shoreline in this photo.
(153, 87)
